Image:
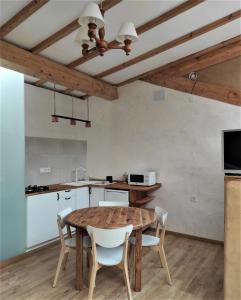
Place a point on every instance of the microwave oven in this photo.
(142, 178)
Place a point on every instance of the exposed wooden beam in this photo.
(66, 30)
(221, 93)
(145, 27)
(34, 65)
(210, 51)
(21, 16)
(40, 82)
(206, 60)
(186, 37)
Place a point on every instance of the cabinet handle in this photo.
(57, 196)
(67, 198)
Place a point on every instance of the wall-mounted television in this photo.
(232, 151)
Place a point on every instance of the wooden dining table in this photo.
(110, 217)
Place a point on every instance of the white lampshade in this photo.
(127, 32)
(92, 14)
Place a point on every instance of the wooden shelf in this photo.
(143, 201)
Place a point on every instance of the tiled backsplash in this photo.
(61, 156)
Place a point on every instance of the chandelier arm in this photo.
(115, 46)
(102, 33)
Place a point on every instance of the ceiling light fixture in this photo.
(72, 121)
(194, 77)
(54, 118)
(91, 20)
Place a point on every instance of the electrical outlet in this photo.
(45, 170)
(194, 198)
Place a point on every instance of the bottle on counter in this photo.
(125, 177)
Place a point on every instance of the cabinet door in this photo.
(66, 199)
(41, 218)
(96, 195)
(82, 197)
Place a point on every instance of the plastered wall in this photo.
(148, 127)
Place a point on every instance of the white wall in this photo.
(38, 110)
(179, 137)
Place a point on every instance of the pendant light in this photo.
(54, 117)
(88, 123)
(72, 121)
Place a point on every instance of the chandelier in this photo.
(92, 32)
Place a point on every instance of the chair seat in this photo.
(71, 242)
(147, 240)
(109, 256)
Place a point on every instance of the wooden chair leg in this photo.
(92, 281)
(61, 257)
(65, 260)
(164, 264)
(126, 275)
(132, 265)
(89, 264)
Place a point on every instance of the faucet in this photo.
(76, 172)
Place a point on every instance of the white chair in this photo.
(114, 203)
(156, 242)
(111, 250)
(67, 244)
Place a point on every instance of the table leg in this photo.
(79, 259)
(138, 260)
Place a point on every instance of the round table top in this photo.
(111, 217)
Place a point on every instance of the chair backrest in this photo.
(114, 203)
(60, 216)
(109, 238)
(161, 216)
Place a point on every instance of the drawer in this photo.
(65, 194)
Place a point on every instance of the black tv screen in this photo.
(232, 151)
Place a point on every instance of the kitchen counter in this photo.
(115, 185)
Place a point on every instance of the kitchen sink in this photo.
(85, 182)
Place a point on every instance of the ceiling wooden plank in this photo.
(21, 16)
(206, 60)
(221, 93)
(210, 50)
(66, 30)
(145, 27)
(185, 38)
(34, 65)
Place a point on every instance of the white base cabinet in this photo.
(82, 198)
(41, 218)
(96, 195)
(42, 213)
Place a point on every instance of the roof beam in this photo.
(221, 93)
(34, 65)
(218, 49)
(21, 16)
(145, 27)
(186, 37)
(201, 62)
(66, 30)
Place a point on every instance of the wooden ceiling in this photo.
(175, 38)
